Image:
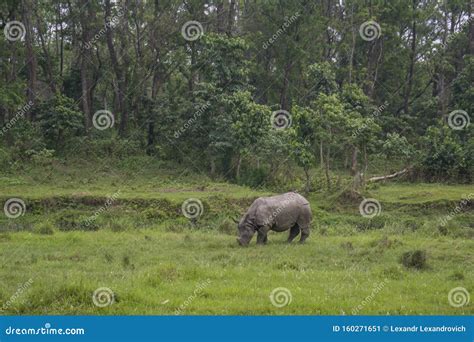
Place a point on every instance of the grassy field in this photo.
(156, 261)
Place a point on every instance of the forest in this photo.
(115, 114)
(354, 81)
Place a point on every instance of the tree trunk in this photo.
(308, 180)
(321, 154)
(353, 42)
(59, 40)
(48, 64)
(220, 12)
(393, 175)
(442, 90)
(471, 29)
(366, 160)
(239, 164)
(32, 63)
(87, 15)
(286, 83)
(375, 56)
(412, 61)
(357, 182)
(354, 167)
(119, 86)
(326, 169)
(231, 17)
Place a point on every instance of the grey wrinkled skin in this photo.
(289, 211)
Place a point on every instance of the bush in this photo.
(60, 119)
(45, 229)
(253, 177)
(154, 214)
(414, 259)
(43, 157)
(5, 159)
(24, 140)
(446, 156)
(377, 222)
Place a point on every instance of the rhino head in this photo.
(246, 231)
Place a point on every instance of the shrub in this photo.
(60, 119)
(42, 157)
(24, 140)
(446, 156)
(5, 159)
(45, 229)
(154, 214)
(254, 177)
(414, 259)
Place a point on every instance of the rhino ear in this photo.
(235, 220)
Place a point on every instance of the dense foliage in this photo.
(350, 87)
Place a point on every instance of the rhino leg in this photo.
(304, 233)
(262, 236)
(294, 231)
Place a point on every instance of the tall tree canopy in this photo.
(231, 87)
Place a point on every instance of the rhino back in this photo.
(280, 211)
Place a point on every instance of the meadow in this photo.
(156, 261)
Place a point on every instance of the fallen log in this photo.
(393, 175)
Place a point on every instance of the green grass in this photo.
(154, 272)
(155, 260)
(420, 193)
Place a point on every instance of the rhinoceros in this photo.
(278, 213)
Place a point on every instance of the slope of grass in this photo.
(156, 261)
(422, 193)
